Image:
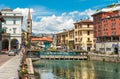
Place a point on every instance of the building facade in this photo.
(107, 29)
(83, 35)
(1, 20)
(12, 28)
(71, 39)
(62, 40)
(80, 38)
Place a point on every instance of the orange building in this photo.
(38, 42)
(107, 28)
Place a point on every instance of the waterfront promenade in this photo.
(9, 67)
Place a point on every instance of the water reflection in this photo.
(68, 69)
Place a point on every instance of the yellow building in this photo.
(62, 39)
(80, 38)
(83, 35)
(71, 39)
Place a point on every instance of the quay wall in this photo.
(103, 57)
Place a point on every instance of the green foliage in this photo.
(112, 53)
(103, 59)
(71, 46)
(52, 49)
(88, 57)
(24, 71)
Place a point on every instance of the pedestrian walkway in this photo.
(4, 58)
(9, 69)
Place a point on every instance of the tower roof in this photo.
(29, 14)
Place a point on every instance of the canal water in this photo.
(76, 69)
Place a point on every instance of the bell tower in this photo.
(29, 23)
(29, 29)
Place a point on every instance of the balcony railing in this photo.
(89, 42)
(5, 34)
(85, 28)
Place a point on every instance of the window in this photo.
(88, 25)
(75, 39)
(66, 35)
(28, 26)
(108, 49)
(102, 49)
(5, 22)
(76, 33)
(114, 24)
(80, 26)
(88, 32)
(113, 33)
(28, 22)
(14, 30)
(88, 39)
(75, 26)
(14, 21)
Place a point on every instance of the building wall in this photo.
(107, 47)
(13, 24)
(82, 39)
(107, 27)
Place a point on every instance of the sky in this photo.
(52, 16)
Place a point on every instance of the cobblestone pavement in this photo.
(8, 69)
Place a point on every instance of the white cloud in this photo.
(24, 10)
(50, 24)
(45, 21)
(88, 13)
(54, 23)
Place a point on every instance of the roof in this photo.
(7, 9)
(29, 14)
(49, 39)
(112, 7)
(84, 21)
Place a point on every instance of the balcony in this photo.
(89, 42)
(85, 28)
(5, 34)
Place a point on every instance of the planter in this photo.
(25, 76)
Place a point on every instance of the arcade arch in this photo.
(14, 43)
(5, 44)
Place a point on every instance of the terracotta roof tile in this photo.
(42, 39)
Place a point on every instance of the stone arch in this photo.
(14, 44)
(5, 44)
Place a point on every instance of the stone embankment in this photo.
(104, 57)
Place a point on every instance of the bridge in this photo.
(35, 55)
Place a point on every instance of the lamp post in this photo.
(1, 20)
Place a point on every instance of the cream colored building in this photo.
(79, 38)
(83, 35)
(11, 38)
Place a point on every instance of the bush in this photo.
(24, 71)
(112, 53)
(103, 59)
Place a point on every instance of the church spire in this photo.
(29, 14)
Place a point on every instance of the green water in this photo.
(74, 69)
